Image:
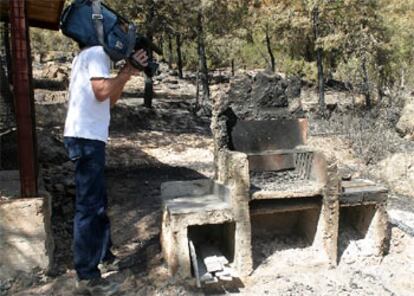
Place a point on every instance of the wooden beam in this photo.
(44, 25)
(38, 24)
(23, 95)
(40, 13)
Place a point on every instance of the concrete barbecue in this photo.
(269, 187)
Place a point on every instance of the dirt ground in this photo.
(148, 147)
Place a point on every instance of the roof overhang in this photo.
(41, 13)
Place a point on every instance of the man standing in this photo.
(91, 94)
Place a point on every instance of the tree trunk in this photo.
(309, 50)
(380, 84)
(202, 59)
(179, 57)
(321, 84)
(319, 61)
(148, 90)
(366, 90)
(269, 50)
(198, 88)
(232, 67)
(170, 52)
(160, 43)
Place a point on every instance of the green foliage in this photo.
(399, 19)
(43, 41)
(348, 70)
(301, 68)
(251, 56)
(190, 54)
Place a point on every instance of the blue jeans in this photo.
(91, 227)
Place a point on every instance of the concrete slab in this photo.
(26, 240)
(192, 204)
(25, 235)
(356, 183)
(362, 191)
(291, 190)
(173, 189)
(401, 213)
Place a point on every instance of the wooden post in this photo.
(23, 96)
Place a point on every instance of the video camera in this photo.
(142, 42)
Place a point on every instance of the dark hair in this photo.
(81, 45)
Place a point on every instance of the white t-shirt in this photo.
(87, 117)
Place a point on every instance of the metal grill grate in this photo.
(284, 179)
(303, 164)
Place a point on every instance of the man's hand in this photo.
(141, 58)
(112, 87)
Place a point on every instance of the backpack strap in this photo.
(97, 18)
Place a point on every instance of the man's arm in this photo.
(104, 88)
(110, 87)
